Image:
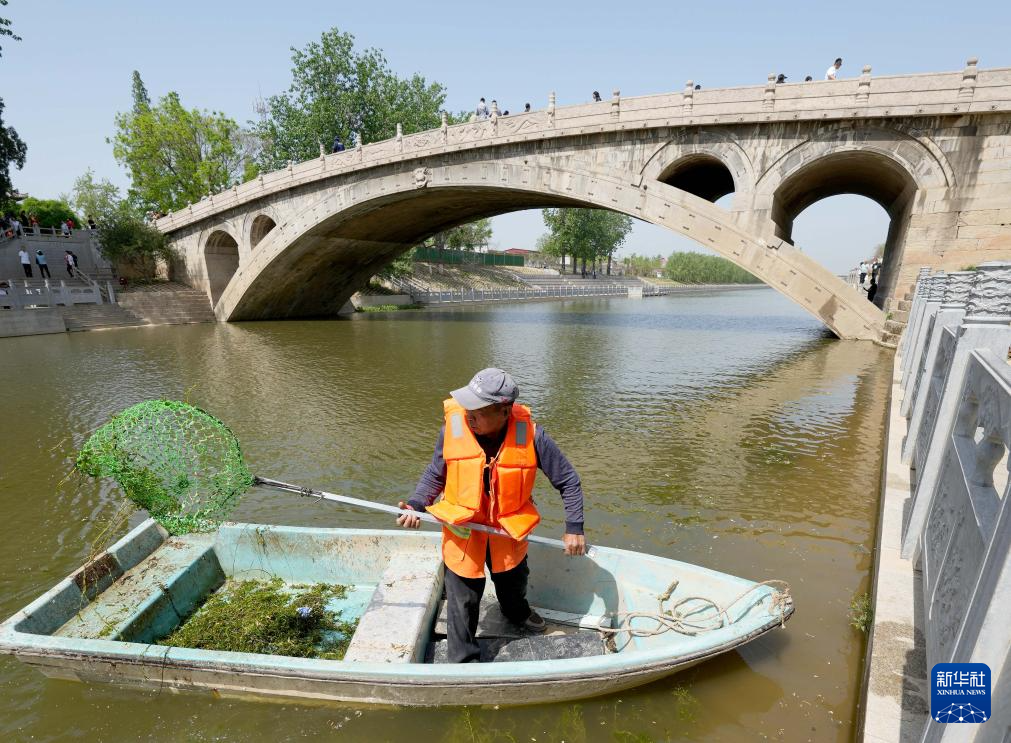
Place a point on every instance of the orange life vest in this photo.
(508, 507)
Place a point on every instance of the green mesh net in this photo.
(180, 464)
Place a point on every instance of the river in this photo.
(724, 429)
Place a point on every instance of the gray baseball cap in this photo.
(487, 387)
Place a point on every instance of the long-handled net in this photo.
(179, 463)
(185, 468)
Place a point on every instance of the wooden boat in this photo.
(103, 621)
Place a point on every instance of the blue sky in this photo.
(63, 84)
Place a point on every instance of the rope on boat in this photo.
(705, 615)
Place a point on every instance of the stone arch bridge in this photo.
(933, 150)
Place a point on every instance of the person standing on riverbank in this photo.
(485, 463)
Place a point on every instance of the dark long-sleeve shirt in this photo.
(550, 460)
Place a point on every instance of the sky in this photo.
(63, 84)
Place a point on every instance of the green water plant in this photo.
(268, 617)
(861, 612)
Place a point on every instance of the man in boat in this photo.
(485, 462)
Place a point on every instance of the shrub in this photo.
(49, 212)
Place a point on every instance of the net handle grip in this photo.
(423, 515)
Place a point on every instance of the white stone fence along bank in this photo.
(955, 523)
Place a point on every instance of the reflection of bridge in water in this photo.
(928, 148)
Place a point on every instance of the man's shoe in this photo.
(535, 623)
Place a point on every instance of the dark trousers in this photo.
(463, 600)
(44, 271)
(28, 269)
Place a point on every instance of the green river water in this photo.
(724, 429)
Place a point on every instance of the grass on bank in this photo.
(388, 308)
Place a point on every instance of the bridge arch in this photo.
(312, 262)
(883, 164)
(258, 225)
(221, 260)
(707, 164)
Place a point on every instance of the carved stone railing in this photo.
(985, 325)
(958, 527)
(966, 542)
(982, 91)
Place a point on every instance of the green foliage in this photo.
(176, 156)
(470, 236)
(337, 90)
(49, 212)
(388, 308)
(180, 464)
(92, 197)
(696, 268)
(141, 100)
(5, 28)
(642, 265)
(585, 234)
(12, 149)
(124, 236)
(861, 613)
(402, 265)
(267, 617)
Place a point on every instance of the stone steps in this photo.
(169, 304)
(99, 317)
(901, 316)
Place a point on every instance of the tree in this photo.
(49, 212)
(585, 234)
(91, 197)
(698, 268)
(12, 149)
(124, 236)
(336, 90)
(141, 100)
(468, 237)
(176, 156)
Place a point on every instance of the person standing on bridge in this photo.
(40, 261)
(485, 463)
(830, 73)
(482, 109)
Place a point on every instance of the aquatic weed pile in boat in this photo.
(266, 617)
(182, 465)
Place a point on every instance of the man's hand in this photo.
(405, 519)
(575, 544)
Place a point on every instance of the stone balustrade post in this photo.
(769, 97)
(967, 89)
(400, 136)
(914, 314)
(864, 85)
(935, 292)
(445, 128)
(925, 381)
(986, 324)
(551, 107)
(688, 99)
(322, 151)
(615, 104)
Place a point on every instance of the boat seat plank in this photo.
(148, 594)
(397, 621)
(580, 644)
